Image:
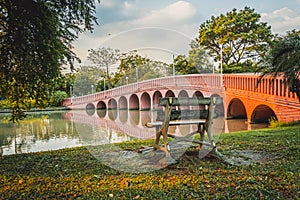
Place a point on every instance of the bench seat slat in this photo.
(177, 122)
(186, 101)
(183, 114)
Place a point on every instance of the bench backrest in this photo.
(207, 105)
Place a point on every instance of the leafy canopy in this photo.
(240, 34)
(35, 41)
(196, 62)
(284, 59)
(138, 68)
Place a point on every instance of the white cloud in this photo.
(282, 20)
(157, 32)
(172, 14)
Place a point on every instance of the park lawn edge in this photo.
(75, 173)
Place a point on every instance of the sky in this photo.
(159, 29)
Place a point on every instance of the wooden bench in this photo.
(173, 115)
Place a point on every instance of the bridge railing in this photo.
(250, 83)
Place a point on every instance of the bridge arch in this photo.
(90, 108)
(101, 105)
(134, 102)
(262, 114)
(123, 103)
(236, 109)
(145, 101)
(183, 93)
(156, 96)
(198, 94)
(112, 104)
(170, 93)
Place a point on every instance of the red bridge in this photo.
(243, 97)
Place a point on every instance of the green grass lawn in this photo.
(273, 172)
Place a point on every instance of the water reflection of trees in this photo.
(36, 127)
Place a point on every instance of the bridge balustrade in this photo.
(267, 86)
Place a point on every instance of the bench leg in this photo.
(162, 132)
(211, 139)
(158, 134)
(201, 133)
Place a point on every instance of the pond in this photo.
(43, 131)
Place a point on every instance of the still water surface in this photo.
(45, 131)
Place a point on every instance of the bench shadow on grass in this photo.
(144, 159)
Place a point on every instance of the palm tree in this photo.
(284, 59)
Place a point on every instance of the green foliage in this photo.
(64, 83)
(58, 97)
(240, 35)
(198, 59)
(196, 62)
(183, 66)
(138, 68)
(104, 57)
(36, 39)
(86, 78)
(284, 59)
(247, 66)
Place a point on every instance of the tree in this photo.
(138, 68)
(87, 78)
(35, 42)
(104, 57)
(182, 65)
(238, 35)
(284, 59)
(198, 59)
(64, 82)
(58, 97)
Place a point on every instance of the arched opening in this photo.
(90, 108)
(112, 104)
(263, 114)
(183, 93)
(236, 109)
(134, 102)
(156, 96)
(123, 103)
(101, 105)
(145, 101)
(170, 93)
(198, 94)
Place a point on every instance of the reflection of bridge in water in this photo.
(132, 124)
(128, 122)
